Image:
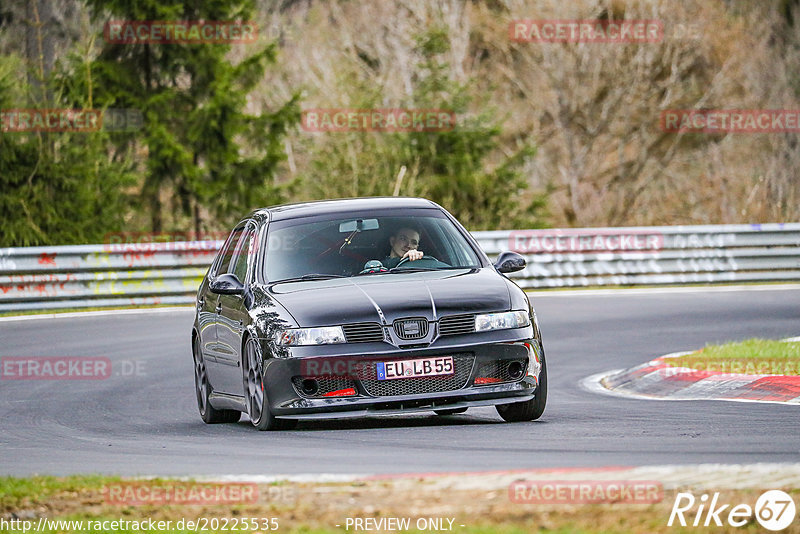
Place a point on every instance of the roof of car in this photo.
(344, 205)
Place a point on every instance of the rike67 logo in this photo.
(774, 510)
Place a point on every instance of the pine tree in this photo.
(202, 149)
(57, 187)
(461, 168)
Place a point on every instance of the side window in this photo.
(228, 251)
(242, 255)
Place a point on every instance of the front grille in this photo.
(414, 328)
(325, 384)
(456, 324)
(363, 332)
(412, 386)
(498, 369)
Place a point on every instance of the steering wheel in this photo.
(423, 258)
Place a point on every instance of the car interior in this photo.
(329, 250)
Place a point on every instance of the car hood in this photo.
(386, 297)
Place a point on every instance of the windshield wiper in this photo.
(310, 276)
(413, 270)
(426, 269)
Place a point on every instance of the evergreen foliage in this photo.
(447, 166)
(203, 151)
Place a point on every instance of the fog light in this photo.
(515, 370)
(310, 386)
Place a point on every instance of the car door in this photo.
(232, 317)
(207, 321)
(211, 305)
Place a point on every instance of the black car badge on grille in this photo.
(411, 328)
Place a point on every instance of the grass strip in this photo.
(752, 357)
(316, 508)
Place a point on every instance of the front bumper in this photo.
(485, 374)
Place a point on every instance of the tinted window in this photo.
(340, 245)
(228, 250)
(242, 254)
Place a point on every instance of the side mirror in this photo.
(227, 284)
(510, 262)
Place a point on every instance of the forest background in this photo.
(547, 134)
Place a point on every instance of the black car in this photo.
(362, 307)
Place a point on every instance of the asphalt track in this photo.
(143, 419)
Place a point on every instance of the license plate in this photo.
(442, 365)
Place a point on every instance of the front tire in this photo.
(255, 394)
(528, 410)
(202, 386)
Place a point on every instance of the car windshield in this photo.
(313, 248)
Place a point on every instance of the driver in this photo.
(403, 244)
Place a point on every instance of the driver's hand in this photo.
(413, 255)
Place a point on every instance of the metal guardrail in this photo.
(652, 255)
(123, 274)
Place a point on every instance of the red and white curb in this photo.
(660, 380)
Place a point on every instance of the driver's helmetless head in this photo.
(402, 241)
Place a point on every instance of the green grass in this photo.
(80, 498)
(16, 492)
(753, 356)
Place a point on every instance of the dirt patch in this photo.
(458, 503)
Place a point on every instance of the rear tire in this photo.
(208, 413)
(452, 411)
(527, 410)
(255, 394)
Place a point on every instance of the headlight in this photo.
(324, 335)
(501, 321)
